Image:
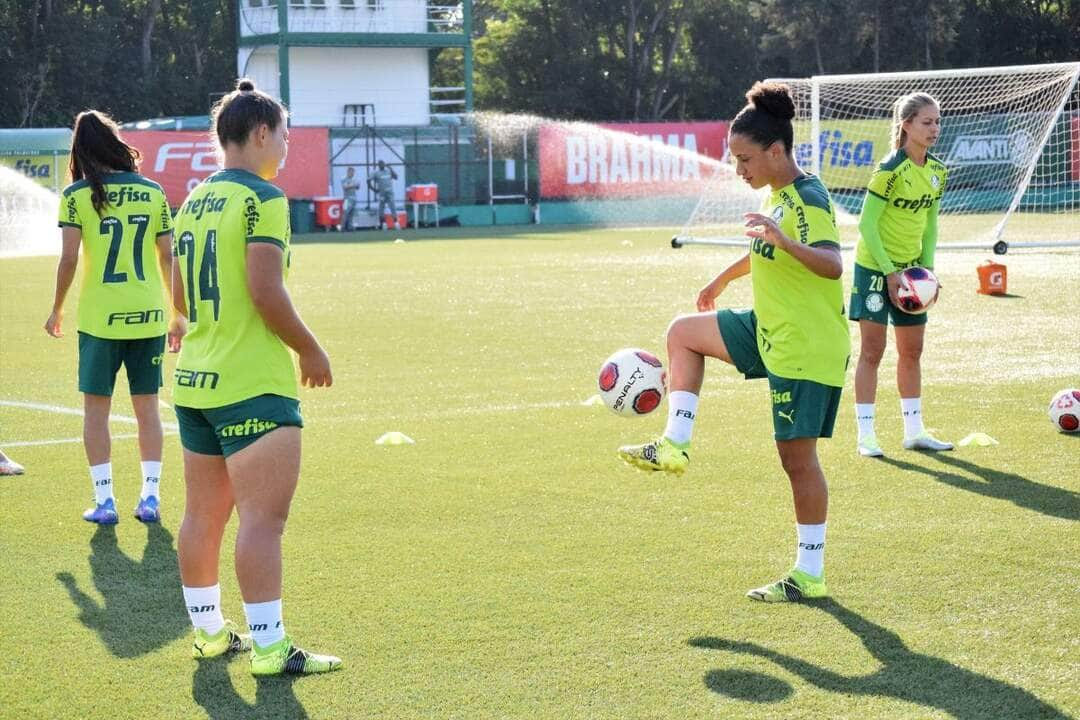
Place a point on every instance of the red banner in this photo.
(628, 159)
(180, 160)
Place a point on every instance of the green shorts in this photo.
(100, 359)
(230, 428)
(870, 299)
(801, 408)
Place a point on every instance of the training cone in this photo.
(395, 438)
(978, 439)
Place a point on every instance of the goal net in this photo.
(1010, 138)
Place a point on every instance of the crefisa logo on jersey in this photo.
(126, 193)
(207, 203)
(1001, 149)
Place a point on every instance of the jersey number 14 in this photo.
(208, 281)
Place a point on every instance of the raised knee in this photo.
(677, 330)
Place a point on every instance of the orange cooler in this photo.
(422, 193)
(993, 278)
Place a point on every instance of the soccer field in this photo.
(507, 565)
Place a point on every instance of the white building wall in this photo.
(261, 65)
(322, 80)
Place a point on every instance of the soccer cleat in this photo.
(660, 454)
(10, 467)
(148, 510)
(103, 514)
(226, 640)
(868, 447)
(926, 441)
(283, 657)
(795, 587)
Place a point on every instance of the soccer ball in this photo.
(1065, 410)
(632, 382)
(921, 292)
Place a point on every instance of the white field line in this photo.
(169, 427)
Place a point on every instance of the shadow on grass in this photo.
(904, 674)
(1045, 499)
(212, 688)
(143, 607)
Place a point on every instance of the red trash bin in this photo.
(328, 211)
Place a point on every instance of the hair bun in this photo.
(245, 85)
(772, 98)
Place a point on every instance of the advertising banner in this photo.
(848, 150)
(48, 170)
(620, 160)
(180, 160)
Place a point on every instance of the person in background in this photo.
(123, 224)
(897, 230)
(349, 186)
(381, 182)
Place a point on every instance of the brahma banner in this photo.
(618, 160)
(180, 160)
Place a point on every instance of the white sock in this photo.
(682, 410)
(264, 621)
(912, 409)
(810, 553)
(151, 472)
(204, 608)
(101, 475)
(864, 414)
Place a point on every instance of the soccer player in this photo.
(795, 335)
(898, 230)
(123, 224)
(235, 386)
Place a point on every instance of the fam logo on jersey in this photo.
(778, 214)
(875, 302)
(1015, 149)
(935, 181)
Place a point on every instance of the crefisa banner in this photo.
(179, 160)
(625, 160)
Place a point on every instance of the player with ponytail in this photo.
(795, 335)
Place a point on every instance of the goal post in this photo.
(1010, 138)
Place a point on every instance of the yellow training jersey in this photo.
(801, 331)
(909, 192)
(122, 296)
(229, 353)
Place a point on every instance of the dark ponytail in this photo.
(235, 115)
(96, 149)
(767, 116)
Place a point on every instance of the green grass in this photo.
(507, 565)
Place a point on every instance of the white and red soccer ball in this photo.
(918, 290)
(632, 382)
(1065, 410)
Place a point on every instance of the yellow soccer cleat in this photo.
(226, 640)
(283, 657)
(795, 587)
(660, 454)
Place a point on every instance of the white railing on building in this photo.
(260, 17)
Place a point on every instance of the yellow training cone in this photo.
(395, 438)
(979, 439)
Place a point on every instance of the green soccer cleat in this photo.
(868, 447)
(227, 640)
(795, 587)
(283, 657)
(660, 454)
(926, 441)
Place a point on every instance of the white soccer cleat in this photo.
(868, 447)
(926, 441)
(10, 467)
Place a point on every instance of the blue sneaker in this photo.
(103, 514)
(147, 511)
